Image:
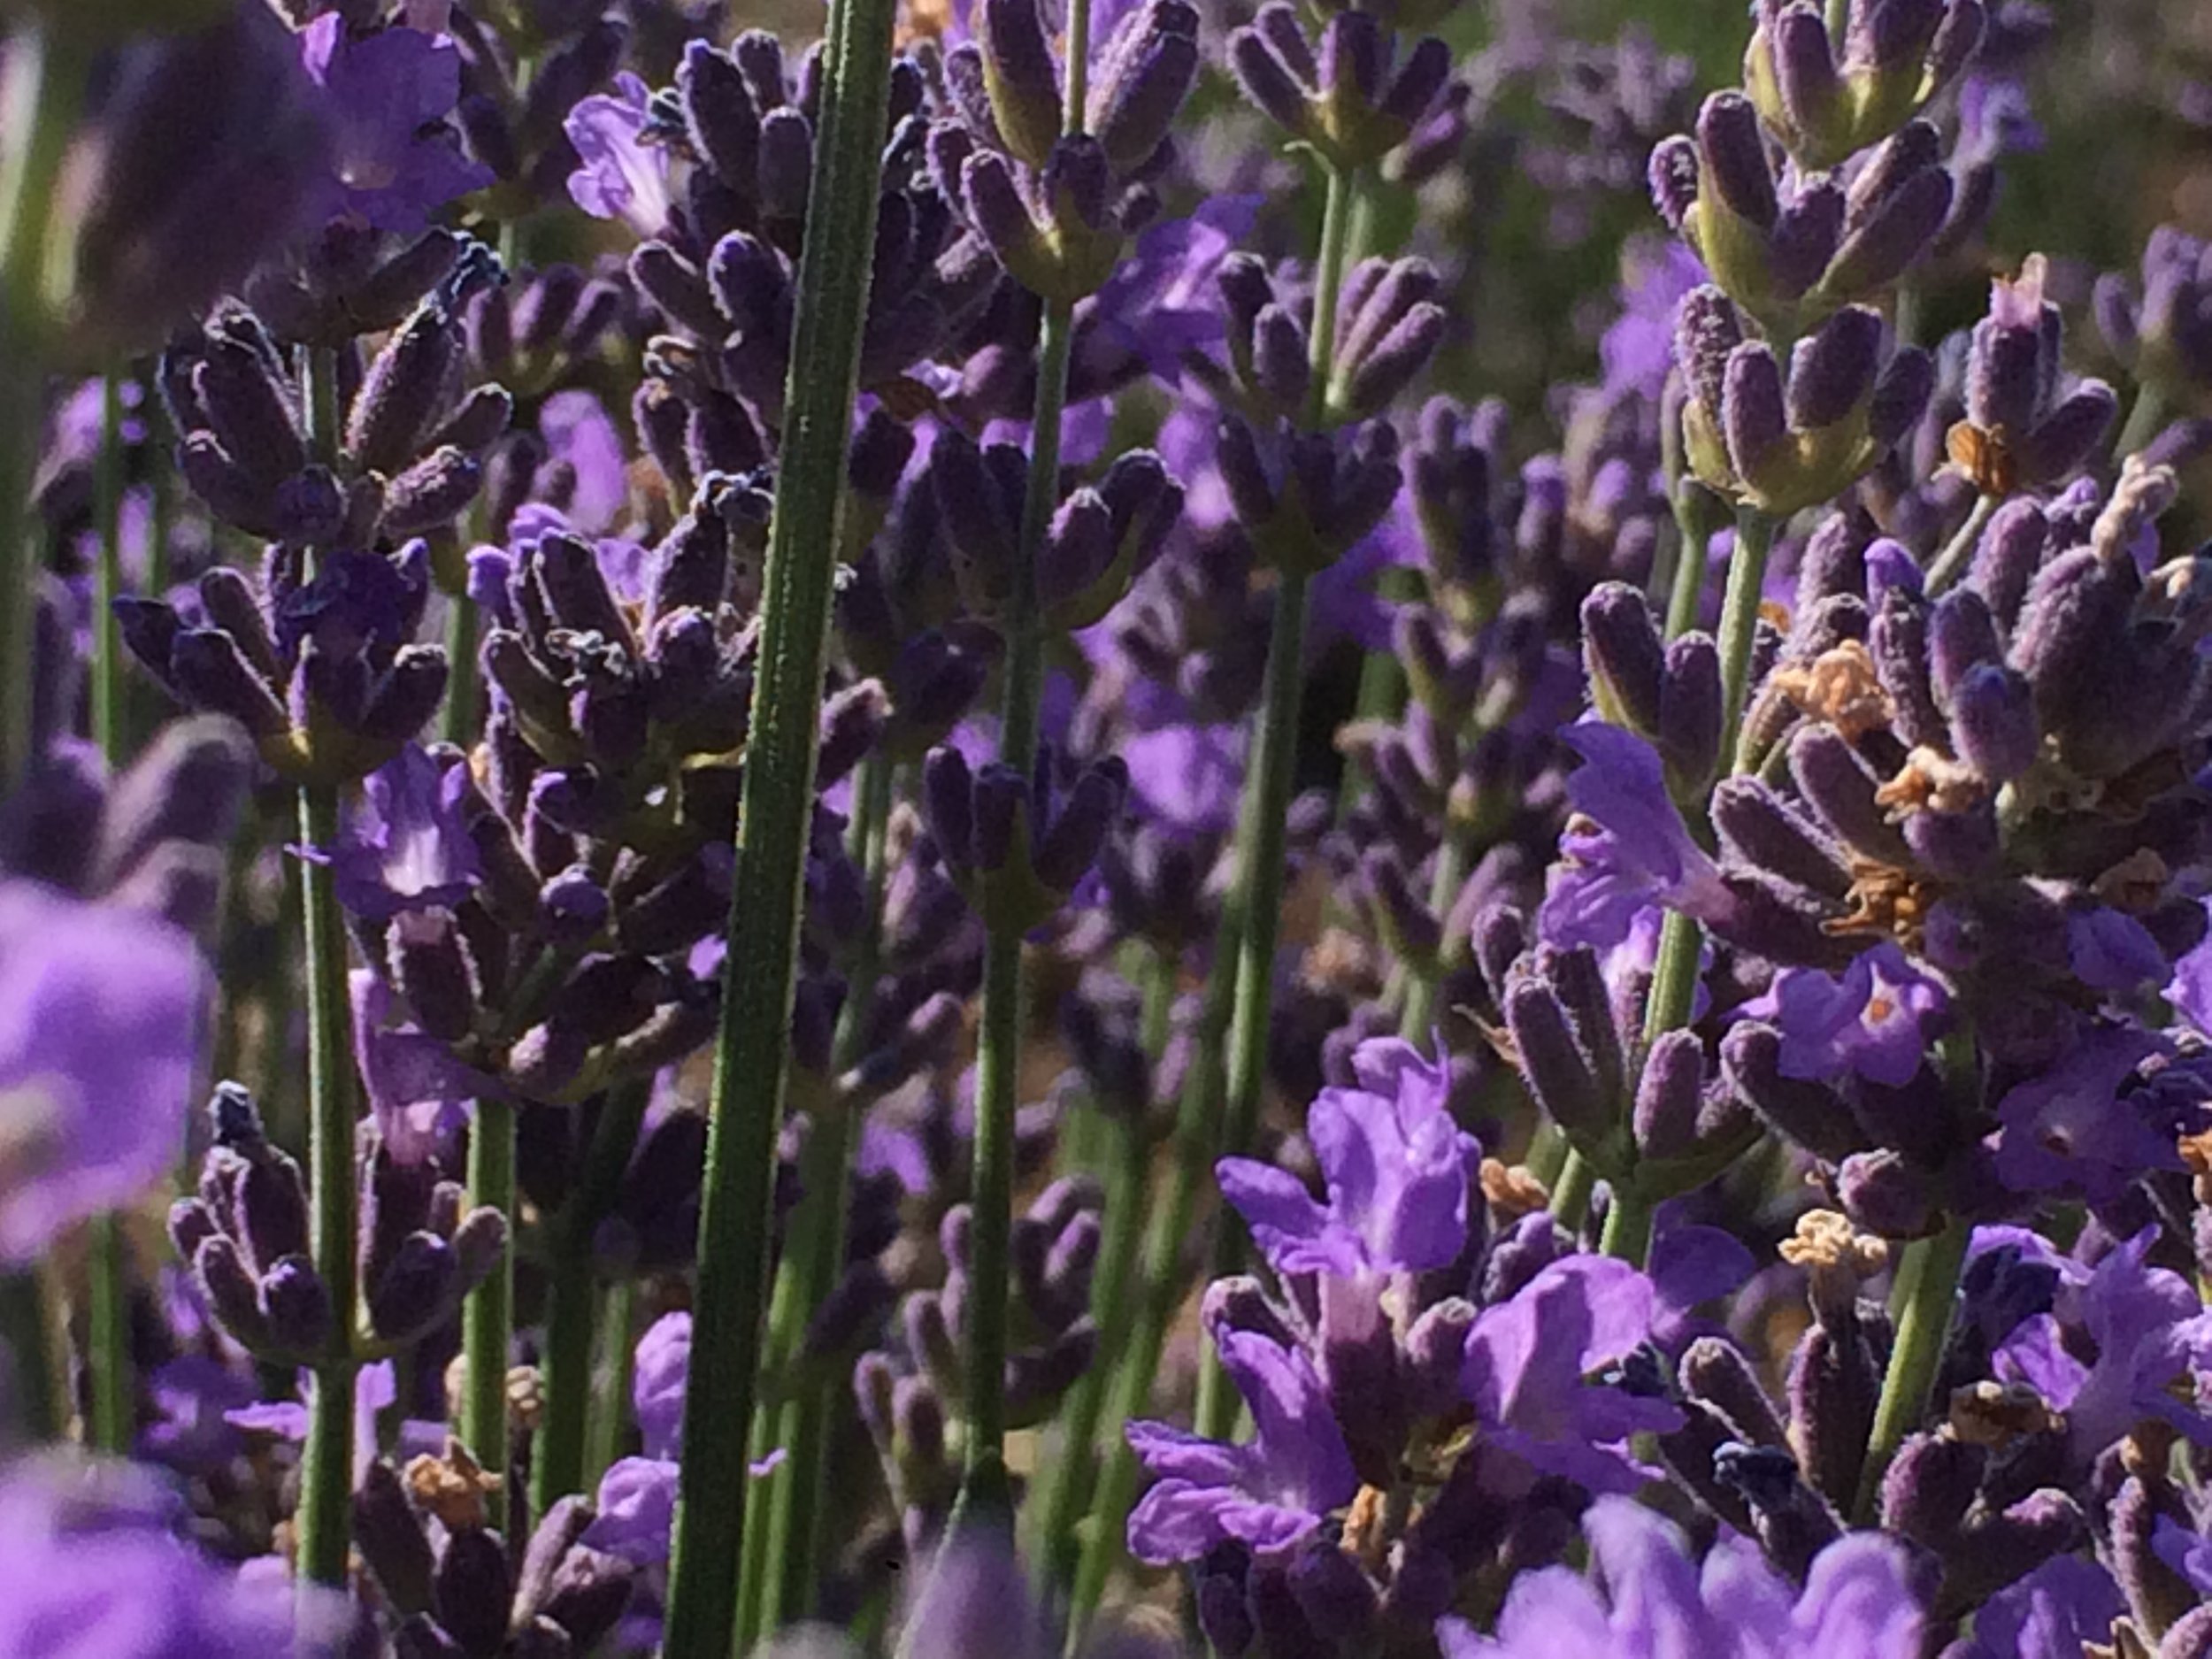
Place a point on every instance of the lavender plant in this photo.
(1104, 828)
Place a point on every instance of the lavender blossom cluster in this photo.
(1307, 831)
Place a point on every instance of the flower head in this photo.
(1873, 1021)
(622, 176)
(406, 846)
(1626, 848)
(386, 96)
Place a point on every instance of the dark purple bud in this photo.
(295, 1305)
(1667, 1096)
(1268, 81)
(1901, 396)
(1077, 184)
(419, 1287)
(1805, 68)
(881, 451)
(1898, 640)
(479, 1242)
(308, 506)
(1558, 1072)
(1413, 89)
(2070, 435)
(1690, 705)
(1225, 1615)
(209, 672)
(404, 391)
(1806, 237)
(479, 422)
(1389, 366)
(221, 1277)
(719, 115)
(1334, 1592)
(1894, 231)
(1885, 1193)
(995, 205)
(1753, 416)
(430, 967)
(1251, 491)
(1280, 368)
(1069, 847)
(1673, 176)
(1735, 157)
(1961, 634)
(1716, 1372)
(948, 805)
(1147, 73)
(675, 285)
(1929, 1487)
(432, 493)
(391, 1540)
(249, 405)
(1764, 830)
(1500, 934)
(2005, 375)
(1751, 1060)
(660, 416)
(1017, 69)
(1625, 660)
(220, 482)
(406, 697)
(1079, 548)
(1278, 24)
(1957, 38)
(749, 283)
(2072, 622)
(1832, 373)
(473, 1589)
(1993, 723)
(852, 724)
(1706, 331)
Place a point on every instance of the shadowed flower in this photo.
(2073, 1129)
(1625, 847)
(1527, 1361)
(1875, 1021)
(1857, 1602)
(386, 96)
(406, 846)
(2056, 1612)
(100, 1013)
(1267, 1494)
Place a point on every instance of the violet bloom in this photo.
(1396, 1164)
(1636, 352)
(1186, 777)
(657, 1383)
(1626, 848)
(2073, 1130)
(100, 1018)
(1267, 1494)
(419, 1092)
(2187, 1553)
(406, 845)
(580, 437)
(1527, 1361)
(1857, 1602)
(2056, 1612)
(621, 176)
(386, 96)
(1875, 1021)
(2150, 1331)
(375, 1388)
(93, 1562)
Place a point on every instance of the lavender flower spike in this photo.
(1626, 848)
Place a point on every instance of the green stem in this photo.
(113, 1423)
(1262, 828)
(775, 815)
(1417, 1022)
(1067, 1478)
(323, 1523)
(459, 724)
(1196, 1119)
(610, 1395)
(557, 1455)
(488, 1317)
(1571, 1193)
(1627, 1235)
(42, 87)
(27, 1333)
(1921, 1305)
(1739, 625)
(1953, 561)
(2145, 418)
(1687, 590)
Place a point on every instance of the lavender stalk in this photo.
(752, 1048)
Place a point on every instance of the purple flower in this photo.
(1636, 352)
(1857, 1602)
(2056, 1612)
(386, 96)
(405, 844)
(1875, 1021)
(1186, 777)
(1527, 1361)
(1625, 847)
(657, 1383)
(637, 1506)
(2072, 1130)
(2150, 1331)
(2190, 990)
(92, 1562)
(2187, 1553)
(1267, 1494)
(100, 1020)
(579, 434)
(417, 1090)
(2109, 950)
(1396, 1164)
(1690, 1266)
(373, 1390)
(622, 176)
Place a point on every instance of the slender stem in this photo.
(322, 1522)
(459, 723)
(1627, 1235)
(488, 1317)
(2144, 417)
(1921, 1304)
(1263, 829)
(1687, 591)
(1067, 1478)
(41, 84)
(775, 814)
(610, 1395)
(1953, 561)
(1739, 625)
(113, 1424)
(1196, 1119)
(27, 1333)
(1571, 1193)
(1417, 1022)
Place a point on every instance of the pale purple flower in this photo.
(1267, 1494)
(578, 431)
(1527, 1360)
(1875, 1021)
(386, 96)
(2189, 989)
(637, 1506)
(1857, 1602)
(419, 1091)
(93, 1562)
(657, 1383)
(1637, 351)
(621, 176)
(1625, 849)
(2149, 1331)
(2187, 1553)
(374, 1388)
(100, 1015)
(1397, 1167)
(1187, 777)
(404, 845)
